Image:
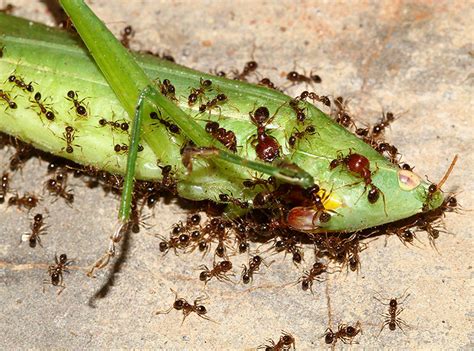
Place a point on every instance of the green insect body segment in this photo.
(57, 63)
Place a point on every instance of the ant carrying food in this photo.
(181, 304)
(56, 271)
(37, 228)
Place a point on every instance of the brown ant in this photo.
(126, 35)
(392, 319)
(214, 103)
(8, 9)
(225, 137)
(310, 130)
(390, 150)
(252, 183)
(205, 85)
(341, 112)
(254, 266)
(43, 108)
(80, 109)
(6, 97)
(313, 274)
(267, 147)
(344, 332)
(4, 187)
(379, 128)
(28, 201)
(56, 187)
(234, 201)
(181, 304)
(56, 271)
(124, 126)
(250, 66)
(360, 165)
(296, 78)
(266, 82)
(219, 271)
(37, 229)
(284, 344)
(21, 84)
(295, 105)
(173, 128)
(289, 244)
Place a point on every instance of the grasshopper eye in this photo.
(408, 180)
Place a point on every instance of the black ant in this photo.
(205, 85)
(181, 304)
(68, 137)
(28, 201)
(127, 34)
(56, 271)
(168, 89)
(344, 332)
(4, 187)
(37, 229)
(392, 319)
(21, 84)
(124, 126)
(6, 97)
(43, 108)
(173, 128)
(285, 343)
(214, 103)
(297, 78)
(80, 109)
(219, 271)
(310, 130)
(250, 66)
(225, 137)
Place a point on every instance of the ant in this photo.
(214, 103)
(266, 82)
(37, 229)
(226, 137)
(219, 271)
(124, 126)
(28, 201)
(289, 245)
(392, 319)
(250, 66)
(173, 128)
(310, 130)
(294, 104)
(252, 183)
(297, 78)
(205, 85)
(314, 274)
(56, 271)
(379, 128)
(80, 109)
(341, 113)
(56, 187)
(254, 266)
(21, 84)
(344, 332)
(4, 187)
(4, 95)
(127, 34)
(433, 189)
(390, 150)
(267, 147)
(181, 304)
(49, 114)
(360, 165)
(285, 343)
(168, 89)
(234, 201)
(68, 137)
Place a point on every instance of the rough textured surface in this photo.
(411, 58)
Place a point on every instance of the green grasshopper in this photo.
(357, 186)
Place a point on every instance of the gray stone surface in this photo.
(414, 58)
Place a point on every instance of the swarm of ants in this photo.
(207, 230)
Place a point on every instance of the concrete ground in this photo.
(413, 58)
